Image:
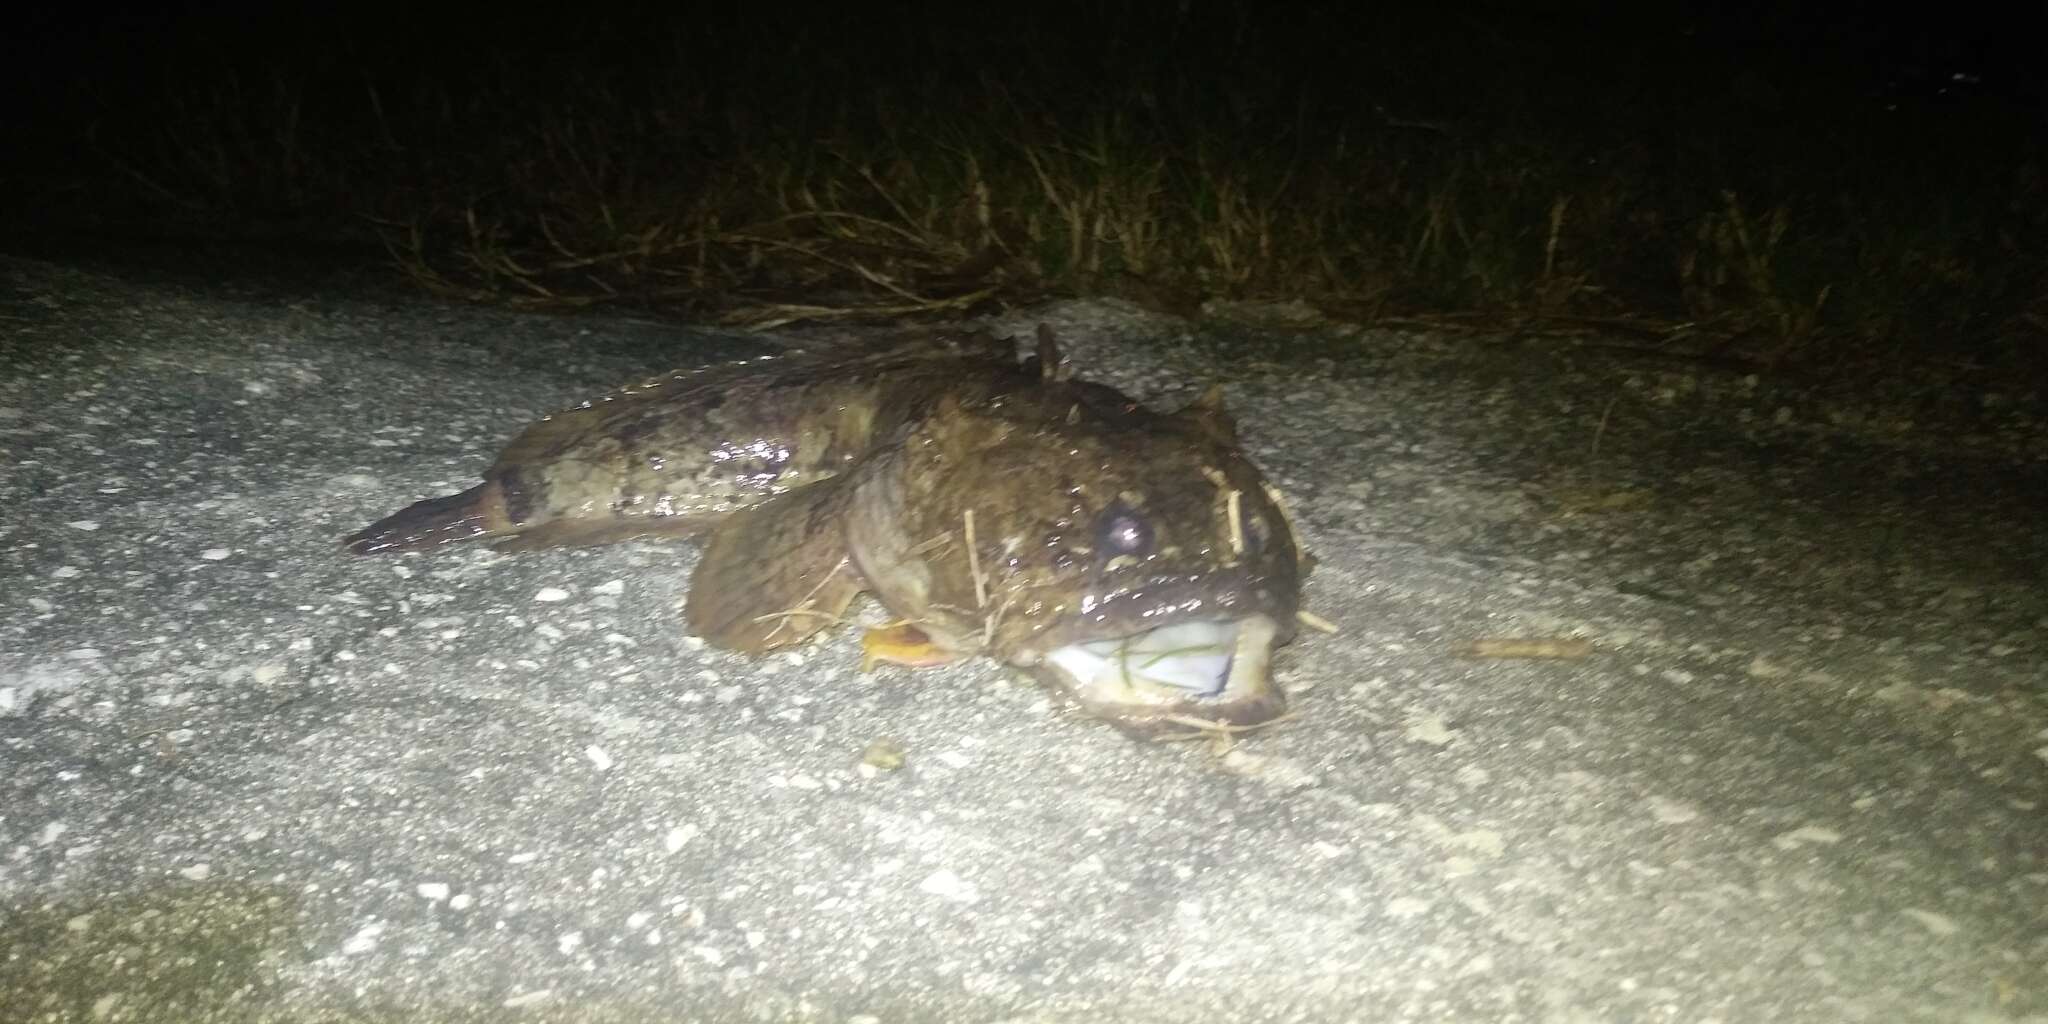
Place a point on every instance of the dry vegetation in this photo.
(757, 172)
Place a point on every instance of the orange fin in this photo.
(902, 644)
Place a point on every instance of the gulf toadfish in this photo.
(1134, 560)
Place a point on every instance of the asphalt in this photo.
(1785, 760)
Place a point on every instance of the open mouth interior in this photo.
(1184, 661)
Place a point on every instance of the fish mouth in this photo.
(1180, 677)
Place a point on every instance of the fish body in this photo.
(1135, 560)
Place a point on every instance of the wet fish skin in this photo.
(998, 507)
(676, 454)
(1046, 473)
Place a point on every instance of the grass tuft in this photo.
(765, 171)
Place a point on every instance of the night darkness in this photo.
(1583, 162)
(1128, 512)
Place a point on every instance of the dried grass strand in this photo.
(1314, 621)
(1236, 521)
(974, 562)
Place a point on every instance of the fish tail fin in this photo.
(422, 526)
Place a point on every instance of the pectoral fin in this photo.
(776, 573)
(902, 644)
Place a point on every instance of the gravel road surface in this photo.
(1787, 758)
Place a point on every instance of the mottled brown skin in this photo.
(1045, 473)
(817, 477)
(677, 454)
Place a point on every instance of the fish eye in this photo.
(1123, 532)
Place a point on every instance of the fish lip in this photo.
(1247, 695)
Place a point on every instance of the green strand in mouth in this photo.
(1192, 658)
(1124, 654)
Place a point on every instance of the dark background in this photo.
(1904, 146)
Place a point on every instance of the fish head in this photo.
(1134, 560)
